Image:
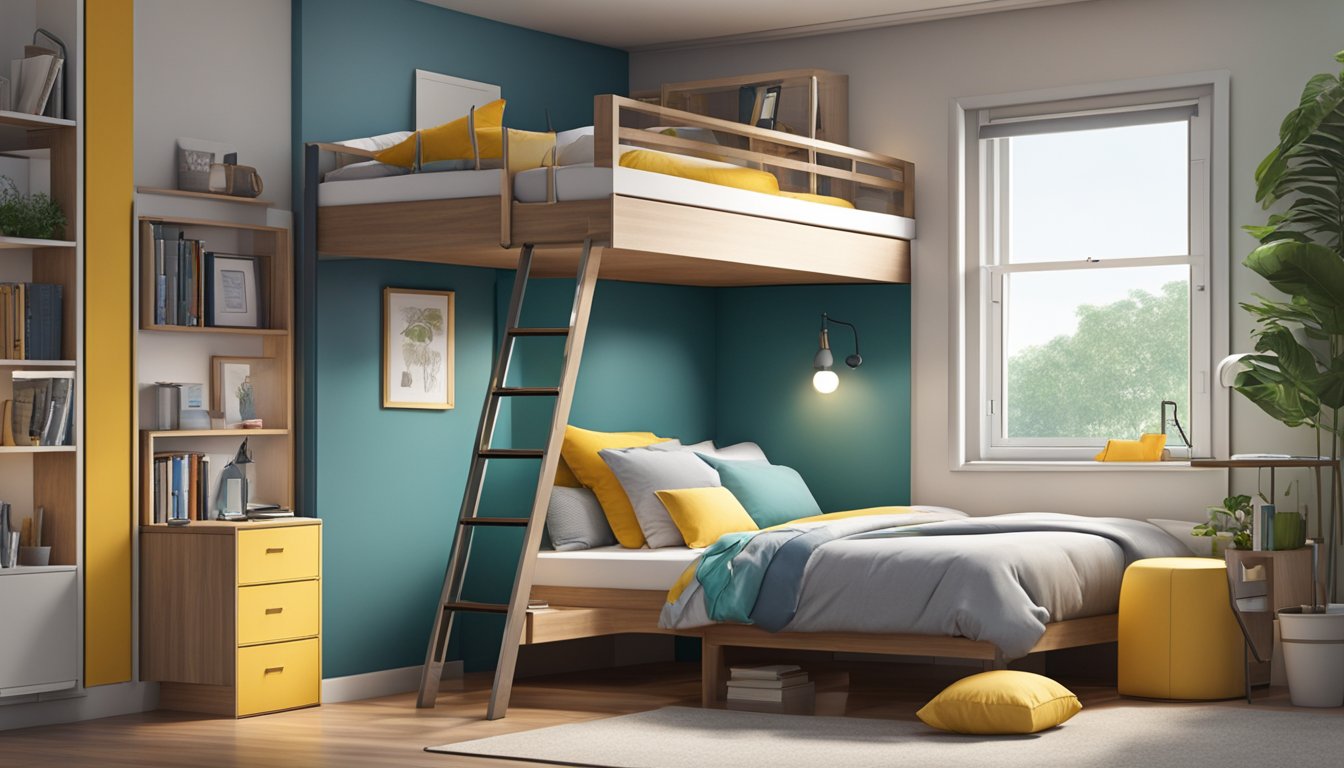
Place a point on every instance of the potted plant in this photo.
(36, 216)
(1229, 524)
(1297, 372)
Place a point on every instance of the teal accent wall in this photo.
(388, 483)
(852, 446)
(695, 363)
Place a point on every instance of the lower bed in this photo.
(927, 583)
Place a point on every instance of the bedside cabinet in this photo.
(231, 615)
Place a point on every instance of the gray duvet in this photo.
(999, 579)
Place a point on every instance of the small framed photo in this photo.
(769, 107)
(233, 389)
(233, 291)
(417, 348)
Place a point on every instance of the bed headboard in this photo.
(440, 98)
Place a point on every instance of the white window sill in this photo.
(1080, 466)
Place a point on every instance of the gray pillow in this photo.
(642, 471)
(371, 169)
(574, 520)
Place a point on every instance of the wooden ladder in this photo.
(450, 601)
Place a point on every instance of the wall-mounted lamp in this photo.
(825, 380)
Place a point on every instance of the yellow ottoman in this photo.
(1178, 637)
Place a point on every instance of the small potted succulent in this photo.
(1229, 524)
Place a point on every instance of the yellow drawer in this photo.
(279, 554)
(273, 612)
(279, 676)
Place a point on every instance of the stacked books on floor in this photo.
(42, 408)
(179, 283)
(772, 688)
(181, 486)
(30, 321)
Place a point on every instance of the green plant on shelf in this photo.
(1233, 517)
(36, 216)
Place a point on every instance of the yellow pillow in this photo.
(704, 514)
(701, 170)
(529, 149)
(451, 140)
(564, 476)
(1000, 702)
(1147, 448)
(580, 452)
(838, 202)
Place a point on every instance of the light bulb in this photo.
(825, 382)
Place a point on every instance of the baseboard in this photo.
(87, 704)
(384, 682)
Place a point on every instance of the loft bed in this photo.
(652, 227)
(644, 227)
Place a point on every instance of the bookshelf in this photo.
(42, 625)
(182, 353)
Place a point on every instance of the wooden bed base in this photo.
(577, 612)
(646, 240)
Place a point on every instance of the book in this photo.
(767, 672)
(32, 78)
(785, 682)
(776, 695)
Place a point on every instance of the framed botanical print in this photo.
(417, 348)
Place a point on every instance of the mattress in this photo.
(614, 567)
(586, 182)
(447, 185)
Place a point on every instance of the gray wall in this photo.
(902, 82)
(217, 71)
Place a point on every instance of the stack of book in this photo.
(40, 413)
(179, 284)
(32, 80)
(181, 487)
(773, 688)
(30, 321)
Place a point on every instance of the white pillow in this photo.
(735, 452)
(1183, 531)
(576, 152)
(375, 143)
(371, 169)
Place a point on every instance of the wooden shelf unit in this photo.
(203, 196)
(42, 607)
(799, 89)
(272, 376)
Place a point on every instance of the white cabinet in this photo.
(39, 630)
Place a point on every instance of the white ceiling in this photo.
(654, 24)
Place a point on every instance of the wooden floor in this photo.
(392, 732)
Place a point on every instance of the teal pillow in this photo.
(770, 493)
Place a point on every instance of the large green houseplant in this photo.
(1297, 372)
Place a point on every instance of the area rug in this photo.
(1150, 735)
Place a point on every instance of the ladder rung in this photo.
(492, 521)
(511, 453)
(538, 331)
(476, 607)
(527, 392)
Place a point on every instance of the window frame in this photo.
(977, 371)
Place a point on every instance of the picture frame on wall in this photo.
(234, 391)
(418, 333)
(233, 296)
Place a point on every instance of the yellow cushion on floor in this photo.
(1178, 638)
(1004, 701)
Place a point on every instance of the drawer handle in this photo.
(270, 670)
(275, 550)
(274, 610)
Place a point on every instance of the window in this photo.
(1086, 281)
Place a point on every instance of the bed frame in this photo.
(645, 240)
(577, 612)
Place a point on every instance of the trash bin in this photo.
(1313, 655)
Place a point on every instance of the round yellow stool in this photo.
(1178, 637)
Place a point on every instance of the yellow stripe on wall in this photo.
(109, 435)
